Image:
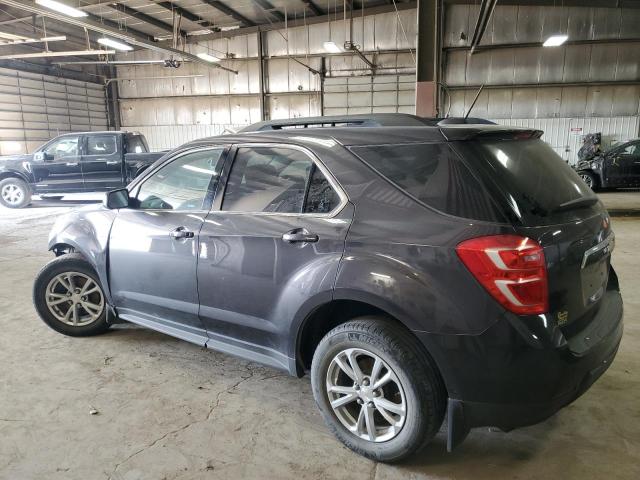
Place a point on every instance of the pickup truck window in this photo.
(63, 147)
(136, 144)
(101, 145)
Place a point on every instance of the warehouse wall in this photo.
(567, 91)
(172, 111)
(35, 108)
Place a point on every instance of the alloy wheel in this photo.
(12, 194)
(588, 180)
(366, 395)
(74, 298)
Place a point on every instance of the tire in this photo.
(590, 179)
(415, 383)
(14, 193)
(86, 320)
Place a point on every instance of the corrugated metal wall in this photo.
(35, 108)
(174, 111)
(593, 86)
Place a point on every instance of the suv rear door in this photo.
(271, 244)
(153, 245)
(102, 162)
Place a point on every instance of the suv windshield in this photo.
(531, 181)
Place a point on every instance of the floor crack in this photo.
(184, 427)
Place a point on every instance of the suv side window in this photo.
(277, 179)
(101, 145)
(64, 147)
(186, 183)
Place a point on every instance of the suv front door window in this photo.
(280, 219)
(153, 248)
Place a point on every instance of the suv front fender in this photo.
(87, 231)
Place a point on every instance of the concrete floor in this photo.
(168, 409)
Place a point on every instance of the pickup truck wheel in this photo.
(377, 389)
(14, 193)
(69, 298)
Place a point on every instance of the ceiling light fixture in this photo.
(331, 47)
(208, 58)
(62, 8)
(107, 42)
(555, 40)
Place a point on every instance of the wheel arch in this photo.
(317, 323)
(14, 174)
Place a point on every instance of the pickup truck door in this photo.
(102, 162)
(59, 170)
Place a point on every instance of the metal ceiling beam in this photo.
(108, 23)
(50, 70)
(137, 14)
(267, 7)
(313, 7)
(127, 36)
(556, 3)
(227, 10)
(299, 22)
(18, 56)
(192, 17)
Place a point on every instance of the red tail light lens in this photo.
(511, 268)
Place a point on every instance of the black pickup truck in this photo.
(72, 163)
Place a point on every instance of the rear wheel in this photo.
(377, 389)
(69, 298)
(14, 193)
(590, 179)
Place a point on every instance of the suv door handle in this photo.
(299, 235)
(181, 232)
(71, 164)
(111, 162)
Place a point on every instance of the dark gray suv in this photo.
(415, 267)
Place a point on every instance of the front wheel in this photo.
(68, 297)
(590, 179)
(377, 390)
(14, 193)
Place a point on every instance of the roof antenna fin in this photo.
(473, 104)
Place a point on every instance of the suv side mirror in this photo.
(117, 199)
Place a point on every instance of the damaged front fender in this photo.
(86, 231)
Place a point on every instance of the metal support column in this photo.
(261, 73)
(427, 58)
(113, 105)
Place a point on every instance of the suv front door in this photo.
(153, 246)
(102, 162)
(270, 245)
(59, 169)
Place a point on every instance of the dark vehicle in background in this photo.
(73, 163)
(412, 270)
(616, 168)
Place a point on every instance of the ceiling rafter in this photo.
(313, 7)
(269, 8)
(137, 14)
(227, 10)
(192, 17)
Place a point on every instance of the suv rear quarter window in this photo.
(433, 174)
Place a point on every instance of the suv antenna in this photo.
(474, 101)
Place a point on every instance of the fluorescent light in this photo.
(62, 8)
(59, 38)
(107, 42)
(11, 36)
(331, 47)
(207, 58)
(555, 40)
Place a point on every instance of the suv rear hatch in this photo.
(547, 201)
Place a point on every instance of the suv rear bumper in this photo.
(508, 378)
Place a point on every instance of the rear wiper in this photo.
(576, 203)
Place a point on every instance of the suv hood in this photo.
(16, 158)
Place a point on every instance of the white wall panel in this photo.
(35, 108)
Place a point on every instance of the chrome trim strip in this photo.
(602, 245)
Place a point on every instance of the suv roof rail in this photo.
(361, 120)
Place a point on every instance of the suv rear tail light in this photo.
(511, 268)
